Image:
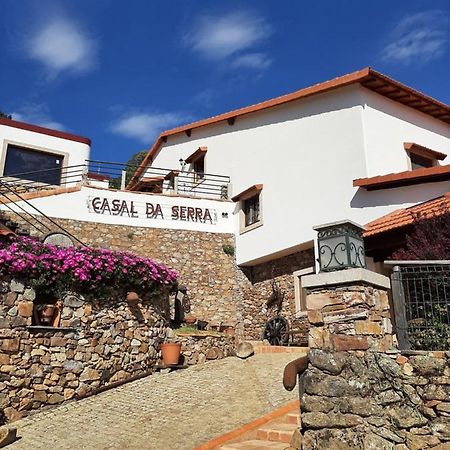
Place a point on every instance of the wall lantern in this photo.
(340, 246)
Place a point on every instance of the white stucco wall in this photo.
(79, 206)
(77, 152)
(388, 124)
(306, 154)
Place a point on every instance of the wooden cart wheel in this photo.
(276, 331)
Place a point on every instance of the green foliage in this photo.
(228, 249)
(431, 331)
(132, 164)
(6, 116)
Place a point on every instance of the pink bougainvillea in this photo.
(86, 269)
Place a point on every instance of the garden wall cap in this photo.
(346, 276)
(337, 223)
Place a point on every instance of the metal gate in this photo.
(421, 300)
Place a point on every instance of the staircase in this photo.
(273, 435)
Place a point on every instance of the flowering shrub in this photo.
(85, 269)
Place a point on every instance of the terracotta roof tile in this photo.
(404, 217)
(417, 176)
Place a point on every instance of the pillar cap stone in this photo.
(346, 276)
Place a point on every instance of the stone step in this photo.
(279, 432)
(293, 418)
(254, 444)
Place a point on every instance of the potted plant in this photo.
(170, 352)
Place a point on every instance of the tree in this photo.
(6, 116)
(429, 239)
(131, 165)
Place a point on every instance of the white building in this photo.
(355, 147)
(40, 155)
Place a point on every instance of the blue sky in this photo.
(120, 71)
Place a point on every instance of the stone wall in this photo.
(197, 349)
(218, 290)
(204, 268)
(359, 391)
(375, 400)
(99, 341)
(260, 302)
(349, 317)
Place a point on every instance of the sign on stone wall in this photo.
(153, 211)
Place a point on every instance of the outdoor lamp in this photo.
(340, 245)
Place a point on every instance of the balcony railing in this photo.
(114, 175)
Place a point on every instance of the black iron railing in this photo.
(421, 297)
(116, 175)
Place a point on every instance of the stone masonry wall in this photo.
(205, 269)
(355, 317)
(99, 341)
(196, 349)
(219, 291)
(259, 302)
(375, 400)
(359, 391)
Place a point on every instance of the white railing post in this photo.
(123, 180)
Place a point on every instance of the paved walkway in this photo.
(175, 411)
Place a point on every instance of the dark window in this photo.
(420, 162)
(251, 210)
(199, 169)
(33, 165)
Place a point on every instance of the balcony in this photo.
(112, 175)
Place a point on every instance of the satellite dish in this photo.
(59, 239)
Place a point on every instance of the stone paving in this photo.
(176, 411)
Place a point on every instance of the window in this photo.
(251, 210)
(199, 169)
(422, 157)
(420, 162)
(35, 165)
(197, 161)
(300, 294)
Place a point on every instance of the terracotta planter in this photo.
(170, 353)
(47, 313)
(190, 320)
(132, 298)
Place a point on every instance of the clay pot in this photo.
(190, 320)
(132, 298)
(47, 314)
(170, 353)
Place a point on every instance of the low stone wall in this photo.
(259, 302)
(99, 341)
(197, 349)
(374, 400)
(349, 317)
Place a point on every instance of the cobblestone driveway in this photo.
(174, 411)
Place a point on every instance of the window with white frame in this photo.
(300, 294)
(250, 208)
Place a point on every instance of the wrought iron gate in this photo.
(421, 300)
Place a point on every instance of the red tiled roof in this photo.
(367, 77)
(404, 217)
(249, 192)
(418, 149)
(417, 176)
(43, 130)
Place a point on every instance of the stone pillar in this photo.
(349, 310)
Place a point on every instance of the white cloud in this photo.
(37, 114)
(419, 38)
(144, 126)
(258, 61)
(229, 37)
(60, 44)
